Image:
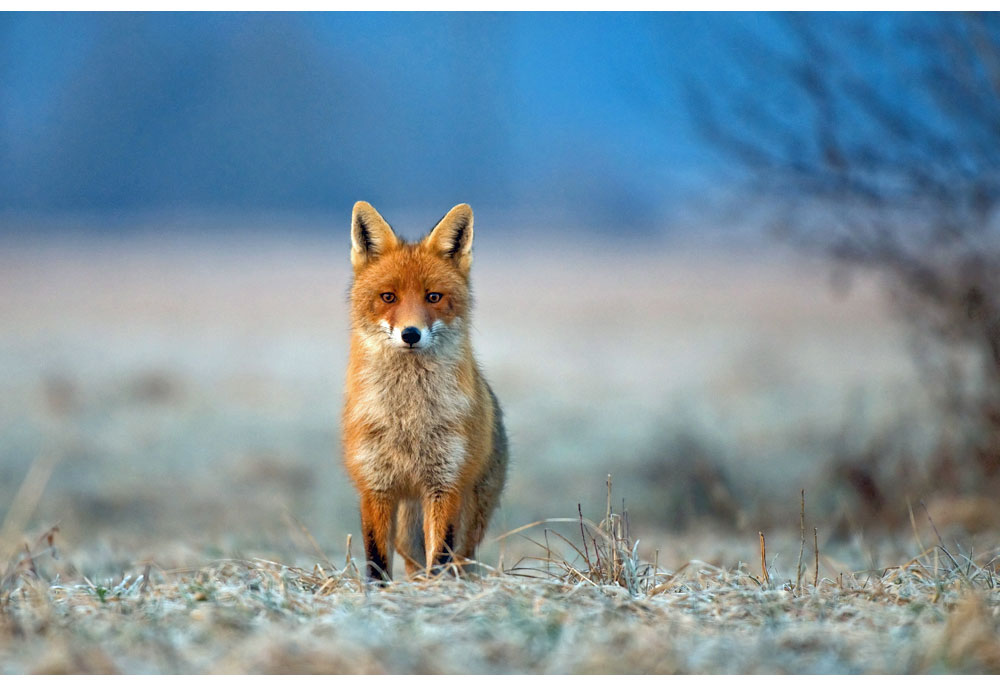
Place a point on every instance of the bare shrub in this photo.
(875, 141)
(688, 485)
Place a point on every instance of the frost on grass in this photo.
(594, 608)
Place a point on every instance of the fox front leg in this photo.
(441, 516)
(378, 515)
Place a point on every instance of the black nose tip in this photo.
(411, 335)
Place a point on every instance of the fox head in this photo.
(411, 298)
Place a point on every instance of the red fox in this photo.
(424, 440)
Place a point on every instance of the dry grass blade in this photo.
(816, 561)
(802, 542)
(941, 541)
(546, 521)
(765, 577)
(294, 523)
(22, 507)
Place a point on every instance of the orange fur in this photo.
(423, 433)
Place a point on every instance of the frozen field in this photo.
(189, 389)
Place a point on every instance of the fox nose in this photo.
(411, 335)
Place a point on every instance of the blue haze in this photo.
(573, 118)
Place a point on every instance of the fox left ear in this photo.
(452, 237)
(371, 235)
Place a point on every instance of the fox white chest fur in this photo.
(423, 433)
(415, 411)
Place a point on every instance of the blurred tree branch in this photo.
(875, 140)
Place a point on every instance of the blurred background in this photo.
(722, 257)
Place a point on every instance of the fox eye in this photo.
(389, 297)
(433, 297)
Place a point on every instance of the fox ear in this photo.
(452, 237)
(371, 236)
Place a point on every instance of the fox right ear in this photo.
(371, 236)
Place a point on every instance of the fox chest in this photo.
(412, 439)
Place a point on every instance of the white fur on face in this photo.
(395, 335)
(434, 337)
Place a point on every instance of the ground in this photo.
(239, 616)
